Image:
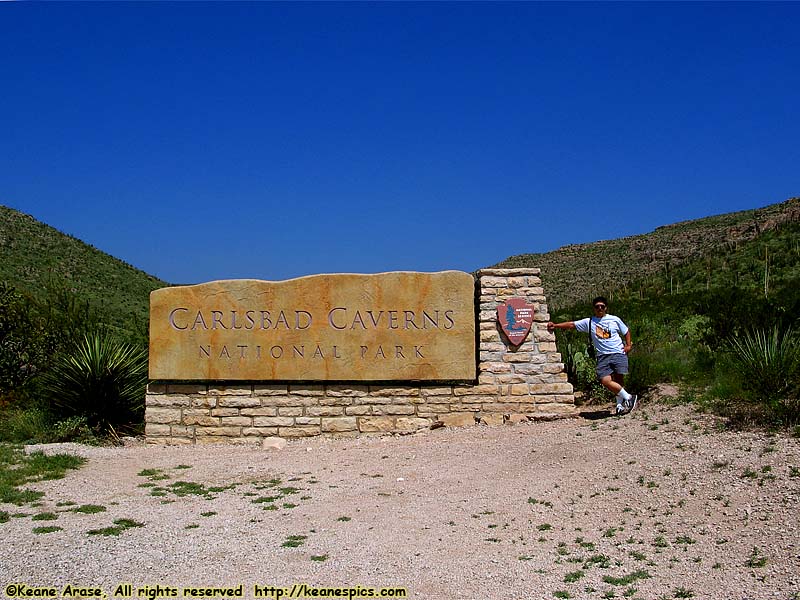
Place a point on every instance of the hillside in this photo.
(726, 249)
(36, 258)
(575, 273)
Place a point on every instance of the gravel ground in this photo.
(657, 504)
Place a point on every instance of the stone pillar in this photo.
(530, 378)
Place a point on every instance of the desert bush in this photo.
(22, 351)
(30, 425)
(641, 375)
(102, 380)
(71, 429)
(586, 378)
(37, 425)
(767, 363)
(32, 332)
(769, 360)
(64, 317)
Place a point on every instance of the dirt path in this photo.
(658, 504)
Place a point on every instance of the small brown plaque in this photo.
(516, 317)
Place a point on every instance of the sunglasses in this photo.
(599, 306)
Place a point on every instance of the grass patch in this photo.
(611, 532)
(47, 529)
(179, 488)
(148, 472)
(279, 493)
(153, 474)
(756, 560)
(266, 499)
(271, 483)
(89, 509)
(626, 579)
(534, 501)
(584, 544)
(18, 469)
(597, 560)
(186, 488)
(119, 526)
(319, 558)
(637, 555)
(294, 541)
(45, 516)
(574, 576)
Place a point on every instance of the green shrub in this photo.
(102, 380)
(767, 365)
(71, 429)
(695, 328)
(21, 346)
(36, 425)
(641, 373)
(769, 359)
(724, 381)
(25, 425)
(34, 330)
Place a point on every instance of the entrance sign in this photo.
(516, 317)
(245, 361)
(340, 327)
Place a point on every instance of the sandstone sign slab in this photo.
(340, 327)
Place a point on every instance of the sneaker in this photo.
(620, 409)
(632, 403)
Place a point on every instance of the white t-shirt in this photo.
(606, 333)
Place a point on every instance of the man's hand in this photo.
(550, 326)
(627, 348)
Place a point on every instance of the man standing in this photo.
(611, 339)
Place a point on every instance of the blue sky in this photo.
(211, 141)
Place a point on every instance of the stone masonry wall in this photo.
(513, 385)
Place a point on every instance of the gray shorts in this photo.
(611, 363)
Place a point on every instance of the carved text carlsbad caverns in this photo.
(390, 326)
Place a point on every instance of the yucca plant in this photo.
(102, 380)
(769, 361)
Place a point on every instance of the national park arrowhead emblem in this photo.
(516, 317)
